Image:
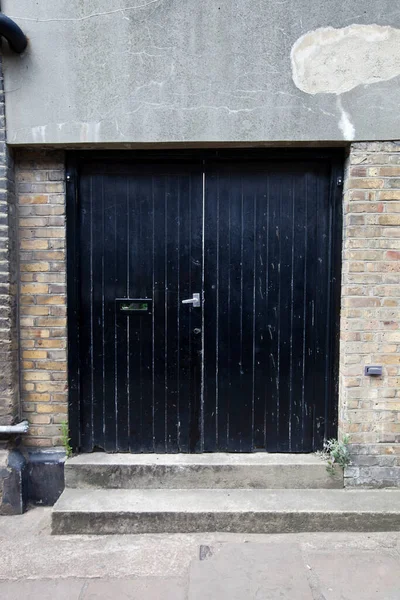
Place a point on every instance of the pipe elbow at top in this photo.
(16, 38)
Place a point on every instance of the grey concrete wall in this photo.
(134, 71)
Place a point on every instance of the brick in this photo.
(392, 255)
(362, 302)
(49, 277)
(34, 310)
(52, 255)
(33, 222)
(33, 199)
(389, 220)
(360, 207)
(41, 443)
(50, 232)
(51, 322)
(52, 343)
(392, 195)
(36, 376)
(360, 172)
(34, 354)
(32, 397)
(388, 171)
(47, 210)
(50, 386)
(56, 299)
(39, 266)
(35, 288)
(54, 366)
(26, 277)
(34, 244)
(51, 408)
(40, 419)
(365, 183)
(393, 207)
(392, 183)
(60, 397)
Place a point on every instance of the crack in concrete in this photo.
(91, 16)
(82, 593)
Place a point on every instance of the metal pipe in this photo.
(20, 428)
(14, 35)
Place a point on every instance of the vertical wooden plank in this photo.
(333, 338)
(86, 319)
(235, 316)
(171, 330)
(134, 322)
(97, 310)
(285, 302)
(74, 304)
(109, 243)
(184, 278)
(322, 304)
(298, 309)
(144, 325)
(262, 339)
(272, 322)
(196, 316)
(190, 194)
(248, 207)
(223, 326)
(159, 284)
(309, 314)
(121, 184)
(211, 307)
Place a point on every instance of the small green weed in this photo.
(336, 452)
(66, 439)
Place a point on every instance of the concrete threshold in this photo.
(220, 470)
(229, 510)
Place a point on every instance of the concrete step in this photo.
(190, 471)
(236, 510)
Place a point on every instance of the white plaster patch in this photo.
(345, 125)
(39, 134)
(334, 61)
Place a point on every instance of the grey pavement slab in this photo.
(294, 572)
(160, 588)
(247, 571)
(41, 590)
(354, 576)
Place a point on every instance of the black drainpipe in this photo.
(14, 35)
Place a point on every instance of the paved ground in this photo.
(336, 566)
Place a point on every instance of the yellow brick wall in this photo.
(42, 300)
(369, 407)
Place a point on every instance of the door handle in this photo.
(194, 301)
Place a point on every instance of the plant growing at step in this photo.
(336, 452)
(66, 439)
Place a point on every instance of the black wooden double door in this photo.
(253, 366)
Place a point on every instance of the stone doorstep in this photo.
(215, 470)
(229, 510)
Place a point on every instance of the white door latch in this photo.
(194, 301)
